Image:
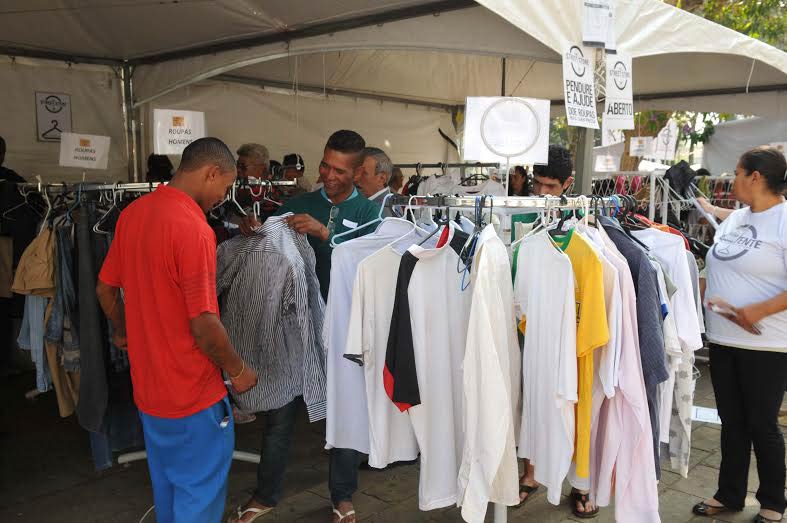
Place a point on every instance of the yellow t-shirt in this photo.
(592, 333)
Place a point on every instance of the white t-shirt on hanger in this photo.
(544, 298)
(391, 436)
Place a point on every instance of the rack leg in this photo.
(501, 513)
(238, 455)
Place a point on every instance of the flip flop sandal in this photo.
(344, 516)
(759, 518)
(703, 509)
(526, 489)
(578, 497)
(258, 513)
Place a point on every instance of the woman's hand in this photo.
(706, 206)
(744, 317)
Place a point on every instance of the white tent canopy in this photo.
(730, 139)
(432, 53)
(173, 44)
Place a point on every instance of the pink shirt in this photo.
(622, 437)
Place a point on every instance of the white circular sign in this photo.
(510, 127)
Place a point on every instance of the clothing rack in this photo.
(440, 165)
(462, 166)
(512, 204)
(135, 186)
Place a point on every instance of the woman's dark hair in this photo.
(770, 163)
(522, 171)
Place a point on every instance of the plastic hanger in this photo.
(97, 227)
(379, 219)
(543, 223)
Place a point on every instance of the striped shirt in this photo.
(271, 306)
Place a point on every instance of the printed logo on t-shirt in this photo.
(737, 243)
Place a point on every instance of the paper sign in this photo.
(611, 136)
(579, 87)
(619, 103)
(612, 40)
(84, 150)
(53, 116)
(705, 415)
(499, 127)
(640, 146)
(175, 130)
(595, 22)
(607, 163)
(665, 143)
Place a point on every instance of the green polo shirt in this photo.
(353, 212)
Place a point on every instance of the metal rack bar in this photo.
(136, 187)
(446, 165)
(494, 202)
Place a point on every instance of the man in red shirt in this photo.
(163, 258)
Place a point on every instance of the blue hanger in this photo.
(77, 201)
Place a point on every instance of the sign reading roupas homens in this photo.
(619, 104)
(175, 130)
(86, 151)
(579, 89)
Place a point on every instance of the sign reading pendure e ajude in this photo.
(579, 89)
(175, 130)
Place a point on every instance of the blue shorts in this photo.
(189, 460)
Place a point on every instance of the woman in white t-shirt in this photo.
(747, 328)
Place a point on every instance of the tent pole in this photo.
(583, 184)
(129, 114)
(503, 80)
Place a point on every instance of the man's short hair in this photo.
(257, 152)
(347, 142)
(559, 166)
(207, 151)
(384, 163)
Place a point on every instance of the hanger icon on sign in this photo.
(54, 129)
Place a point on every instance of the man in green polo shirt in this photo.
(336, 208)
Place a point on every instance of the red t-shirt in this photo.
(164, 258)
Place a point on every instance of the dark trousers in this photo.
(749, 386)
(279, 426)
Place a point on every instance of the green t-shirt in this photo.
(353, 212)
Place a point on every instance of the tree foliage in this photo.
(765, 20)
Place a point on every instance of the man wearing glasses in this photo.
(336, 208)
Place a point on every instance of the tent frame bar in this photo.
(59, 56)
(277, 84)
(319, 29)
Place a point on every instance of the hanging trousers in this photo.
(749, 386)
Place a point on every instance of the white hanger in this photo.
(544, 224)
(372, 222)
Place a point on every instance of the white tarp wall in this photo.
(731, 139)
(96, 109)
(285, 123)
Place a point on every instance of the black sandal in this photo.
(759, 518)
(526, 489)
(578, 497)
(703, 509)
